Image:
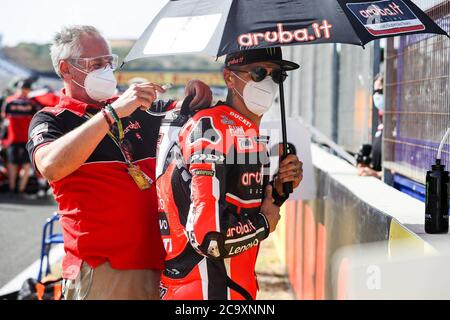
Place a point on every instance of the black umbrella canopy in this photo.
(218, 27)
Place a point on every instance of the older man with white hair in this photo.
(98, 153)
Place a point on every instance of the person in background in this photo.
(3, 128)
(45, 97)
(373, 168)
(17, 112)
(98, 153)
(2, 100)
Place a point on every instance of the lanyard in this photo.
(142, 180)
(117, 140)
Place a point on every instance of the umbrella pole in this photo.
(287, 187)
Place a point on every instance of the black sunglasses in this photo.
(258, 74)
(380, 91)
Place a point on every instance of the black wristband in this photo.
(279, 200)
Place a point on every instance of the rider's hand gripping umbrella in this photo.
(219, 27)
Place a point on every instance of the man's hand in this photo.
(201, 92)
(137, 96)
(270, 210)
(291, 170)
(368, 172)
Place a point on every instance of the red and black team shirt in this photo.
(104, 215)
(18, 112)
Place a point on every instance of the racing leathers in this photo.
(210, 197)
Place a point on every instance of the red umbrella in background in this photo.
(45, 97)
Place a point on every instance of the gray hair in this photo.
(66, 44)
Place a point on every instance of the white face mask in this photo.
(99, 84)
(259, 96)
(378, 101)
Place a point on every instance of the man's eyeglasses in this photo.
(95, 63)
(258, 74)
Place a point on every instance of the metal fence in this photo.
(417, 96)
(355, 90)
(332, 91)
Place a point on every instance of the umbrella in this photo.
(219, 27)
(45, 97)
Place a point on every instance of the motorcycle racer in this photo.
(216, 203)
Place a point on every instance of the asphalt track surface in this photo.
(21, 223)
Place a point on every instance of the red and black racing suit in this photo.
(210, 197)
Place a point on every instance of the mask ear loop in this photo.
(82, 71)
(234, 89)
(75, 67)
(239, 77)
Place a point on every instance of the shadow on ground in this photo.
(27, 200)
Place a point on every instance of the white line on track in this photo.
(32, 271)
